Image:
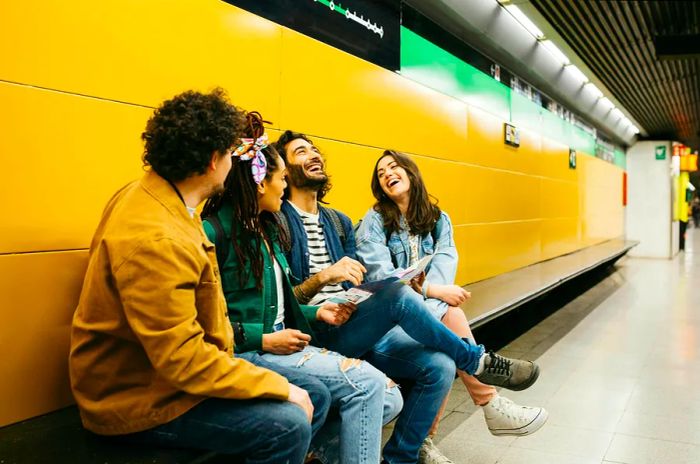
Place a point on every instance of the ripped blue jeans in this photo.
(365, 398)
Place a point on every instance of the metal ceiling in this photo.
(647, 53)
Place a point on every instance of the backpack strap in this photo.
(337, 225)
(283, 223)
(219, 239)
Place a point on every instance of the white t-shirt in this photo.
(280, 292)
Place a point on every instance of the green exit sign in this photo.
(660, 152)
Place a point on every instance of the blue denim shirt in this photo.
(382, 257)
(298, 255)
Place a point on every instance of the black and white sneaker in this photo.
(513, 374)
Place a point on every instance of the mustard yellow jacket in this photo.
(151, 337)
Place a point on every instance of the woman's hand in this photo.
(334, 313)
(417, 283)
(453, 295)
(285, 341)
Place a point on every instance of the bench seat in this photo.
(497, 295)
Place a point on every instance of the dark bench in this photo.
(59, 437)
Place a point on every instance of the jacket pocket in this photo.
(398, 253)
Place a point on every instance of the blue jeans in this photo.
(433, 372)
(263, 431)
(358, 391)
(421, 349)
(398, 305)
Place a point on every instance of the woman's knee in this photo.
(455, 320)
(363, 375)
(375, 385)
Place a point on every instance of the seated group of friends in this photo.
(196, 331)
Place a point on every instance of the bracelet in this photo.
(301, 296)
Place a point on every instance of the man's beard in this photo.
(298, 179)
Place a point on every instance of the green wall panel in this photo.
(424, 62)
(430, 65)
(525, 113)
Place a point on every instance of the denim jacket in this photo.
(256, 309)
(298, 255)
(382, 257)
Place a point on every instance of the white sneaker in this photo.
(430, 454)
(503, 417)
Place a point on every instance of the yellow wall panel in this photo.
(600, 187)
(77, 87)
(350, 167)
(529, 158)
(486, 250)
(141, 51)
(555, 161)
(486, 146)
(64, 156)
(560, 236)
(40, 292)
(559, 198)
(462, 188)
(328, 93)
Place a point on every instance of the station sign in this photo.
(368, 29)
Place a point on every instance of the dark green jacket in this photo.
(256, 309)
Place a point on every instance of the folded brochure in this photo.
(357, 295)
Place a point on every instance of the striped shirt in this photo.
(319, 259)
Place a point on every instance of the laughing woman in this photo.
(262, 307)
(403, 226)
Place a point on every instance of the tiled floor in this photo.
(620, 382)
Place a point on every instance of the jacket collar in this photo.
(163, 192)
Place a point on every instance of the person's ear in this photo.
(215, 157)
(261, 188)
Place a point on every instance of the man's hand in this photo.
(285, 341)
(417, 283)
(345, 269)
(335, 314)
(453, 295)
(300, 397)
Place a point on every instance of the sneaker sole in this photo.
(529, 429)
(528, 383)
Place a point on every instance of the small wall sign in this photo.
(512, 135)
(572, 158)
(660, 152)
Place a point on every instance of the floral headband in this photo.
(252, 149)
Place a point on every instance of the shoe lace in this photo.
(498, 365)
(509, 409)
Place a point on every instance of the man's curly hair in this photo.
(185, 131)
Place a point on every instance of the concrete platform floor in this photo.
(620, 366)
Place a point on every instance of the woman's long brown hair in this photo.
(423, 212)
